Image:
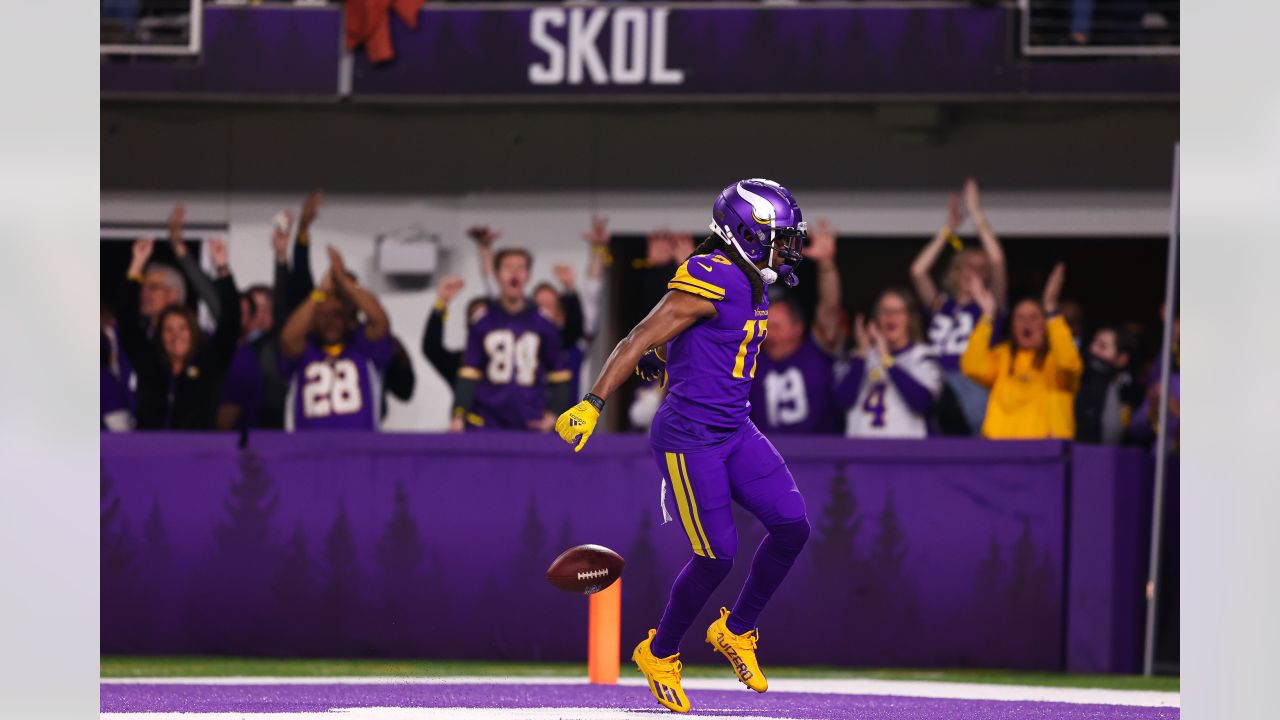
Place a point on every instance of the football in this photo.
(585, 569)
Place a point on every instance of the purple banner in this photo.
(278, 51)
(614, 50)
(1111, 505)
(939, 553)
(736, 51)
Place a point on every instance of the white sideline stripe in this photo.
(395, 713)
(844, 686)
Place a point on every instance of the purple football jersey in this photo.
(114, 386)
(339, 387)
(243, 385)
(794, 394)
(513, 358)
(949, 330)
(711, 364)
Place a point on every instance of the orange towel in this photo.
(369, 24)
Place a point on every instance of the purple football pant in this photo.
(745, 469)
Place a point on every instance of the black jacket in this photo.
(188, 401)
(446, 362)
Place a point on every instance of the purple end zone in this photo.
(802, 706)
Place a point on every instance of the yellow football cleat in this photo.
(739, 650)
(663, 675)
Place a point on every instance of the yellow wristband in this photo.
(319, 296)
(956, 243)
(887, 361)
(440, 305)
(304, 237)
(136, 277)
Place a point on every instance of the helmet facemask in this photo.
(787, 249)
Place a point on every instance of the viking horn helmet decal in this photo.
(762, 210)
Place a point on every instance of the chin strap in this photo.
(768, 274)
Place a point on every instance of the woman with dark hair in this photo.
(1034, 375)
(179, 371)
(892, 381)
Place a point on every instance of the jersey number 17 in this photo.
(756, 330)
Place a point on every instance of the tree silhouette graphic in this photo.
(400, 549)
(244, 534)
(562, 611)
(644, 594)
(156, 579)
(340, 597)
(1023, 560)
(232, 595)
(1031, 604)
(523, 632)
(888, 550)
(566, 535)
(837, 529)
(889, 605)
(155, 539)
(122, 618)
(116, 543)
(400, 556)
(988, 613)
(293, 597)
(990, 579)
(836, 568)
(533, 536)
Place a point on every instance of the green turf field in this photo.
(113, 667)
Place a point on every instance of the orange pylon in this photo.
(604, 635)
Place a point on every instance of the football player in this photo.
(512, 373)
(709, 328)
(335, 362)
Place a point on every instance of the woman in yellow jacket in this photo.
(1034, 375)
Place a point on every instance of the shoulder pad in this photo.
(702, 275)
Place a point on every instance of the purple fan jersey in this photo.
(794, 395)
(339, 387)
(711, 364)
(243, 386)
(115, 394)
(514, 358)
(949, 330)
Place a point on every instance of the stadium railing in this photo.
(1099, 28)
(150, 27)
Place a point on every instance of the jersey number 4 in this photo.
(874, 404)
(756, 330)
(331, 389)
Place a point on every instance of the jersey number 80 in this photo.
(512, 356)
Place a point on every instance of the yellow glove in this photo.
(579, 420)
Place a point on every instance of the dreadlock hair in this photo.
(752, 272)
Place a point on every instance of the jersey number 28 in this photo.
(331, 389)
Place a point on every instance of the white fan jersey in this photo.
(886, 406)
